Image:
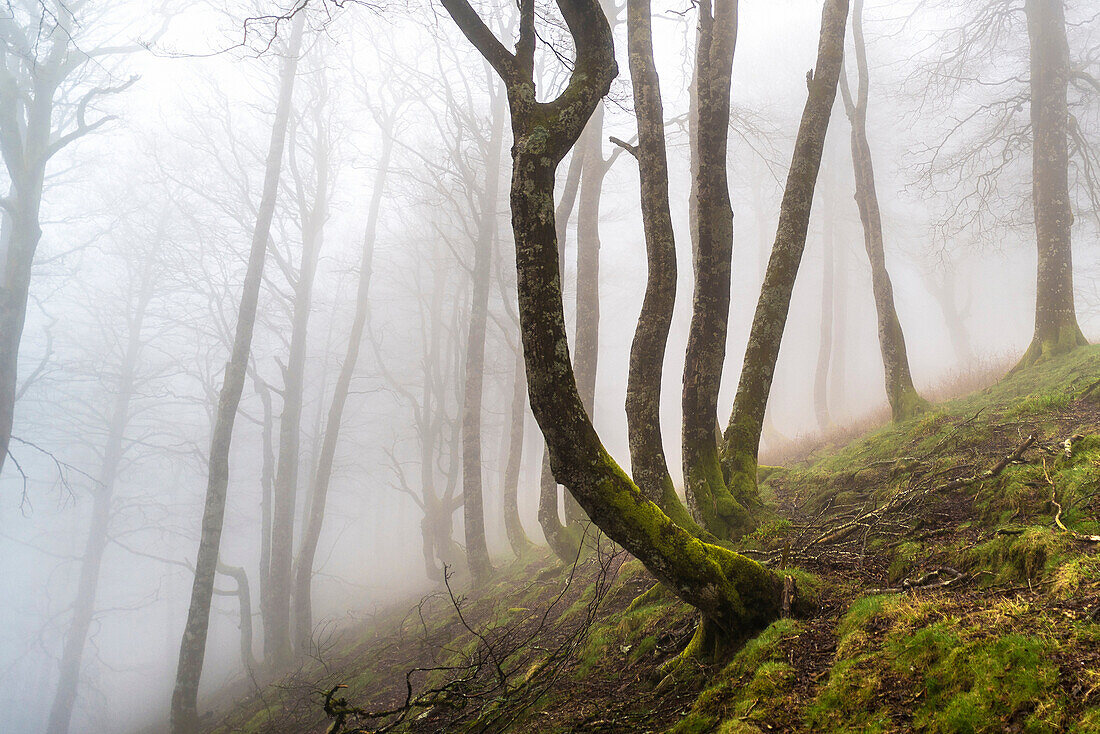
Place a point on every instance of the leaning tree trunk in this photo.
(647, 351)
(710, 501)
(184, 712)
(1056, 329)
(303, 571)
(564, 541)
(72, 652)
(473, 509)
(904, 400)
(742, 437)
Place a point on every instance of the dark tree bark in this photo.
(473, 511)
(303, 571)
(513, 526)
(562, 540)
(72, 653)
(1056, 329)
(708, 498)
(184, 712)
(741, 443)
(904, 400)
(647, 351)
(312, 215)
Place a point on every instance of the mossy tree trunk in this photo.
(647, 351)
(563, 543)
(184, 711)
(735, 595)
(708, 498)
(741, 442)
(1056, 329)
(904, 400)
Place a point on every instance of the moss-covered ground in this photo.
(944, 598)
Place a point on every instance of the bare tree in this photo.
(51, 83)
(647, 351)
(904, 400)
(311, 189)
(303, 608)
(184, 711)
(140, 290)
(733, 593)
(1056, 328)
(710, 501)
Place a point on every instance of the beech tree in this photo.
(322, 476)
(54, 73)
(904, 400)
(184, 710)
(733, 593)
(1009, 111)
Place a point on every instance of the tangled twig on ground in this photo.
(510, 667)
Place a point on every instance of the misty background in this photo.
(147, 219)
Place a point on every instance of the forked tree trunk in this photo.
(72, 653)
(711, 504)
(647, 351)
(303, 572)
(1056, 329)
(184, 712)
(742, 437)
(734, 594)
(904, 400)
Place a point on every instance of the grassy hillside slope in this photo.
(954, 582)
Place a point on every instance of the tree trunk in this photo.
(1056, 329)
(736, 595)
(184, 713)
(312, 216)
(563, 543)
(742, 437)
(473, 511)
(72, 654)
(904, 400)
(23, 234)
(267, 485)
(303, 577)
(825, 343)
(647, 351)
(517, 538)
(710, 502)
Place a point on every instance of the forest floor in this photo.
(950, 561)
